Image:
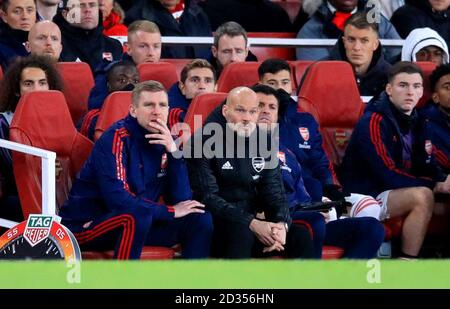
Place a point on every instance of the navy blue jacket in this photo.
(437, 126)
(291, 172)
(299, 132)
(374, 161)
(178, 105)
(11, 44)
(193, 22)
(124, 170)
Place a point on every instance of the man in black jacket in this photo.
(82, 34)
(236, 178)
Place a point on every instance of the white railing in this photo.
(48, 176)
(257, 42)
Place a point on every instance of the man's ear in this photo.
(389, 89)
(2, 16)
(376, 44)
(27, 46)
(214, 51)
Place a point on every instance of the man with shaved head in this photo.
(45, 39)
(236, 177)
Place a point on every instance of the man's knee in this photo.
(424, 199)
(371, 229)
(202, 221)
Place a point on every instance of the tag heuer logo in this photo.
(258, 164)
(37, 229)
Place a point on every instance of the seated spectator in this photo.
(437, 115)
(197, 77)
(248, 14)
(18, 17)
(388, 158)
(46, 9)
(388, 7)
(45, 39)
(174, 18)
(235, 185)
(299, 132)
(425, 44)
(82, 34)
(33, 73)
(328, 23)
(360, 46)
(121, 76)
(114, 202)
(144, 42)
(230, 45)
(113, 16)
(360, 237)
(434, 14)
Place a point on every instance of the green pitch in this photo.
(217, 274)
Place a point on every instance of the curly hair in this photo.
(10, 86)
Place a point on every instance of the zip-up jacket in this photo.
(236, 188)
(124, 170)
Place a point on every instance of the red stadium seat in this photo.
(42, 120)
(178, 63)
(164, 72)
(203, 105)
(115, 107)
(148, 253)
(329, 92)
(78, 82)
(1, 74)
(427, 69)
(238, 74)
(265, 52)
(332, 253)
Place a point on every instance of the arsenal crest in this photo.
(37, 229)
(107, 56)
(340, 136)
(304, 132)
(258, 164)
(428, 147)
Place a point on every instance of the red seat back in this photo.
(42, 120)
(115, 107)
(78, 82)
(329, 92)
(203, 105)
(238, 74)
(427, 69)
(164, 72)
(265, 52)
(1, 74)
(178, 63)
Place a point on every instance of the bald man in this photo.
(237, 176)
(44, 38)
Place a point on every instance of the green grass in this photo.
(217, 274)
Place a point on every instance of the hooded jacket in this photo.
(419, 14)
(178, 105)
(89, 46)
(420, 38)
(234, 188)
(374, 160)
(11, 44)
(193, 22)
(320, 26)
(372, 83)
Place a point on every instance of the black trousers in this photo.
(236, 241)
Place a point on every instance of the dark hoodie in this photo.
(419, 14)
(89, 46)
(387, 151)
(373, 82)
(11, 44)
